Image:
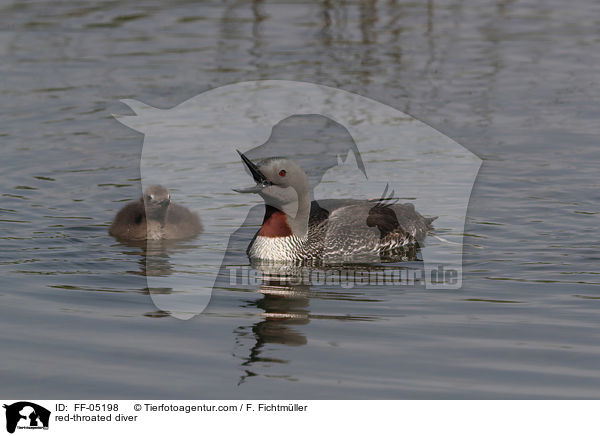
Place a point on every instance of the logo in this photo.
(346, 146)
(26, 415)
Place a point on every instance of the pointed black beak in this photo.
(260, 179)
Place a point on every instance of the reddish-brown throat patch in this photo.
(274, 224)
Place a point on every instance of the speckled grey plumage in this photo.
(357, 228)
(347, 230)
(334, 230)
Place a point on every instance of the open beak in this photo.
(261, 181)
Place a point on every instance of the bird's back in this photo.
(181, 223)
(130, 222)
(360, 230)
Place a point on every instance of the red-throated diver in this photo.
(154, 217)
(294, 228)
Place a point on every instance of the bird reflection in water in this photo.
(155, 258)
(284, 306)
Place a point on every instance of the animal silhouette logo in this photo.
(336, 137)
(26, 415)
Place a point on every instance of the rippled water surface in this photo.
(515, 82)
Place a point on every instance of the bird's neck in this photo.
(159, 215)
(275, 224)
(278, 224)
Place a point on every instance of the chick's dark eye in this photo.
(148, 197)
(282, 173)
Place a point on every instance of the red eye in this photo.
(282, 173)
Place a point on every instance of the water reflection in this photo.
(155, 258)
(284, 309)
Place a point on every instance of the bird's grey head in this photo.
(279, 181)
(156, 200)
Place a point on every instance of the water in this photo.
(514, 82)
